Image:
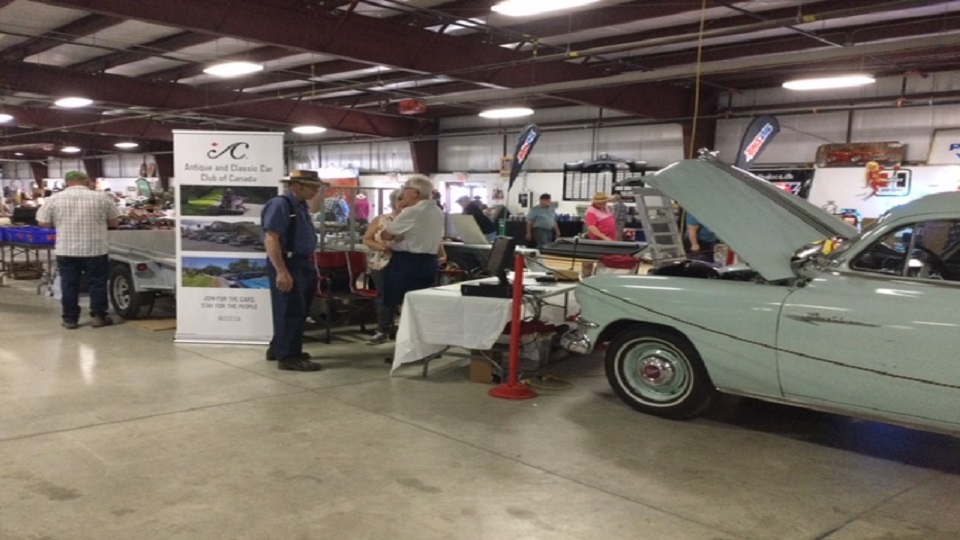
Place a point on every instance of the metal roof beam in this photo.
(180, 97)
(351, 36)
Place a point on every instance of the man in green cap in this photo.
(81, 217)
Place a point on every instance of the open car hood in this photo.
(762, 223)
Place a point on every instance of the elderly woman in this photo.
(601, 223)
(377, 262)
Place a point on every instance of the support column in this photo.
(164, 169)
(426, 156)
(93, 167)
(40, 171)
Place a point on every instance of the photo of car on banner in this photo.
(818, 315)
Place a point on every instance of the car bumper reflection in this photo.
(576, 341)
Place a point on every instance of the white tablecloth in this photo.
(433, 319)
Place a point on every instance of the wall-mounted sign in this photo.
(897, 184)
(887, 154)
(795, 181)
(945, 148)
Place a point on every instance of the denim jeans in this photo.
(72, 270)
(542, 237)
(290, 309)
(385, 314)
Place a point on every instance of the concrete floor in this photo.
(118, 433)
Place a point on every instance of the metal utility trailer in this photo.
(143, 266)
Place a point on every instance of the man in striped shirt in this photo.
(81, 217)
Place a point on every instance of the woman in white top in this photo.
(377, 261)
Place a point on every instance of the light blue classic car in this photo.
(819, 316)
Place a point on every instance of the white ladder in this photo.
(655, 210)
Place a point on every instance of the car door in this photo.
(882, 332)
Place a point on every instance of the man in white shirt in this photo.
(81, 217)
(417, 233)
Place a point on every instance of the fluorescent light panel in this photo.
(507, 112)
(73, 102)
(825, 83)
(70, 149)
(4, 117)
(233, 69)
(126, 144)
(309, 130)
(523, 8)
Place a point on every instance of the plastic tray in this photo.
(37, 236)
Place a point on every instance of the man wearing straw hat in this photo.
(290, 241)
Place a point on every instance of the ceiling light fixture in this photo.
(73, 102)
(509, 112)
(309, 130)
(70, 149)
(522, 8)
(825, 83)
(126, 144)
(4, 118)
(233, 69)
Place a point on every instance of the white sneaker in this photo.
(378, 338)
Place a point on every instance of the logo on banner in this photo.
(527, 145)
(755, 145)
(790, 187)
(232, 150)
(528, 137)
(954, 149)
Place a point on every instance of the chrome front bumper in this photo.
(576, 341)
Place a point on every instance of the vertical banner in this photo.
(758, 136)
(223, 180)
(525, 142)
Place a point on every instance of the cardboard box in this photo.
(481, 370)
(485, 366)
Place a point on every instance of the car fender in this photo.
(732, 324)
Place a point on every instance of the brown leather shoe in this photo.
(271, 357)
(298, 364)
(100, 321)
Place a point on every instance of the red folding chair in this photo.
(339, 272)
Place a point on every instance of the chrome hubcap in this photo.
(657, 371)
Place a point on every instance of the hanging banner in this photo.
(758, 136)
(223, 180)
(528, 138)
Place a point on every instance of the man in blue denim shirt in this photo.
(702, 240)
(290, 241)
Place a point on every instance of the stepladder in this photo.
(660, 227)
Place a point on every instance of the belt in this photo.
(292, 255)
(411, 254)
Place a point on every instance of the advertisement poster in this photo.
(945, 148)
(223, 180)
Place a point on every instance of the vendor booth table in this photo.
(433, 320)
(27, 249)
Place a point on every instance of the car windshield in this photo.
(841, 245)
